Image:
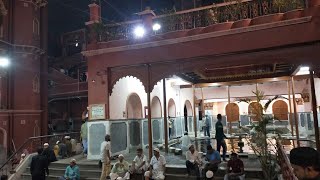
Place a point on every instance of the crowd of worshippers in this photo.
(156, 167)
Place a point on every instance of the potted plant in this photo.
(258, 140)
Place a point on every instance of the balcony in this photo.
(67, 90)
(176, 23)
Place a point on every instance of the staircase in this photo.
(90, 171)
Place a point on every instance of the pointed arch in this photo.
(280, 110)
(134, 106)
(232, 112)
(156, 109)
(171, 108)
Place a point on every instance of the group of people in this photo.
(46, 155)
(140, 166)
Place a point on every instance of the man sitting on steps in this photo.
(157, 166)
(213, 158)
(193, 161)
(235, 169)
(120, 169)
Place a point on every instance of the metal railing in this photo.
(29, 146)
(231, 10)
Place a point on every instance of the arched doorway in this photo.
(255, 111)
(156, 110)
(187, 114)
(134, 107)
(232, 112)
(280, 110)
(171, 108)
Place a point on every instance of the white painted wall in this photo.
(128, 85)
(125, 86)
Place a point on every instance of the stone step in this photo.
(52, 177)
(81, 166)
(83, 173)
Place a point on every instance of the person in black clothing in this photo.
(48, 152)
(4, 177)
(220, 136)
(39, 166)
(305, 162)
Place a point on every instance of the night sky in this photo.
(69, 15)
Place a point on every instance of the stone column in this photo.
(94, 19)
(296, 118)
(147, 19)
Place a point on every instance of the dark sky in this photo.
(70, 15)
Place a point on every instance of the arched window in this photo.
(156, 110)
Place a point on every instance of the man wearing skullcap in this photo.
(49, 153)
(157, 166)
(193, 161)
(120, 169)
(305, 162)
(72, 171)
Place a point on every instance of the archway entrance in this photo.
(134, 107)
(156, 110)
(280, 110)
(171, 108)
(187, 115)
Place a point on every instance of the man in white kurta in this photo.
(157, 166)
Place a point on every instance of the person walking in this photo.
(39, 166)
(105, 151)
(220, 136)
(84, 131)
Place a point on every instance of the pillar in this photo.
(94, 12)
(194, 112)
(149, 114)
(296, 118)
(147, 19)
(314, 110)
(290, 111)
(165, 116)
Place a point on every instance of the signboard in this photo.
(97, 112)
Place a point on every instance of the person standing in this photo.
(193, 161)
(157, 166)
(170, 124)
(220, 137)
(235, 168)
(72, 172)
(84, 131)
(207, 126)
(105, 151)
(39, 166)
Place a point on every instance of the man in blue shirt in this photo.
(213, 158)
(72, 172)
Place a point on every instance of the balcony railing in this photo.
(231, 10)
